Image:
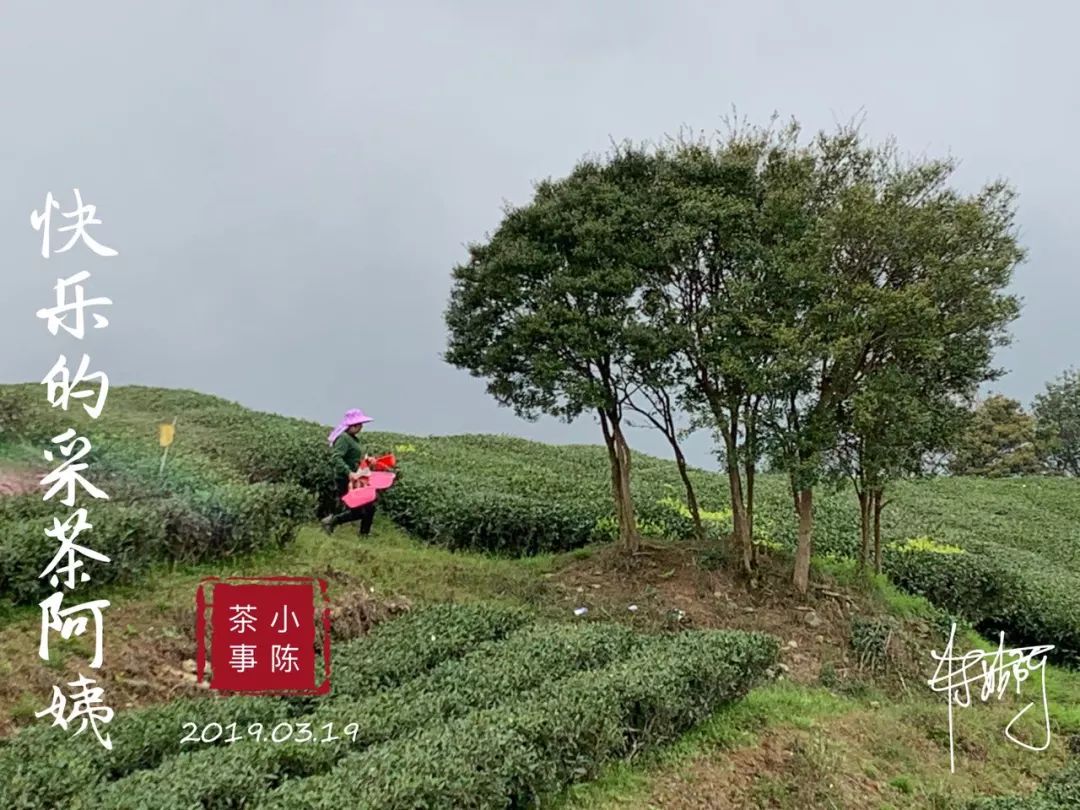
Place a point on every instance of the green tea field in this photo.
(491, 649)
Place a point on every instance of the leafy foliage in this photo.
(396, 651)
(202, 507)
(545, 310)
(1061, 791)
(999, 442)
(515, 755)
(546, 703)
(1057, 414)
(513, 496)
(494, 673)
(43, 767)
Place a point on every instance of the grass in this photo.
(389, 559)
(899, 745)
(786, 745)
(737, 726)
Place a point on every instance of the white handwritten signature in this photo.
(994, 671)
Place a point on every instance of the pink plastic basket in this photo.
(361, 496)
(381, 480)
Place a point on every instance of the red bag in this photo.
(385, 463)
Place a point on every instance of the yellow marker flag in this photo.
(165, 434)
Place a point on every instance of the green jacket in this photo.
(347, 455)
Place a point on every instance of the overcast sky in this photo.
(289, 184)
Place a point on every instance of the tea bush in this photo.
(129, 535)
(516, 497)
(44, 767)
(212, 522)
(496, 672)
(564, 698)
(398, 650)
(998, 589)
(518, 754)
(195, 510)
(1060, 791)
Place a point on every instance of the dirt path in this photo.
(17, 482)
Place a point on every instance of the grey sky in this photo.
(289, 184)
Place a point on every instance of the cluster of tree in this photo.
(1003, 439)
(826, 308)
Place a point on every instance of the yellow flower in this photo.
(926, 545)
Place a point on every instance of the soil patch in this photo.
(668, 587)
(18, 481)
(149, 650)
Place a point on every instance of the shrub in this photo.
(454, 513)
(244, 518)
(1060, 791)
(494, 673)
(213, 522)
(130, 536)
(512, 756)
(399, 650)
(998, 589)
(972, 585)
(44, 767)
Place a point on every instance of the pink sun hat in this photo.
(352, 417)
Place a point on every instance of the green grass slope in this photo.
(1005, 553)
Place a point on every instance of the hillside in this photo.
(240, 493)
(1021, 536)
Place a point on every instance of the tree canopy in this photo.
(828, 305)
(543, 310)
(998, 442)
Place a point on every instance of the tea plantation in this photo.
(465, 706)
(1005, 554)
(452, 706)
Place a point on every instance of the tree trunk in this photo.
(740, 514)
(728, 424)
(628, 531)
(738, 507)
(805, 506)
(619, 456)
(878, 506)
(750, 470)
(691, 496)
(864, 526)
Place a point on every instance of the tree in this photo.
(941, 322)
(544, 309)
(898, 276)
(656, 382)
(998, 442)
(897, 419)
(711, 295)
(1057, 414)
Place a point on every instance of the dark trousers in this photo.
(365, 514)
